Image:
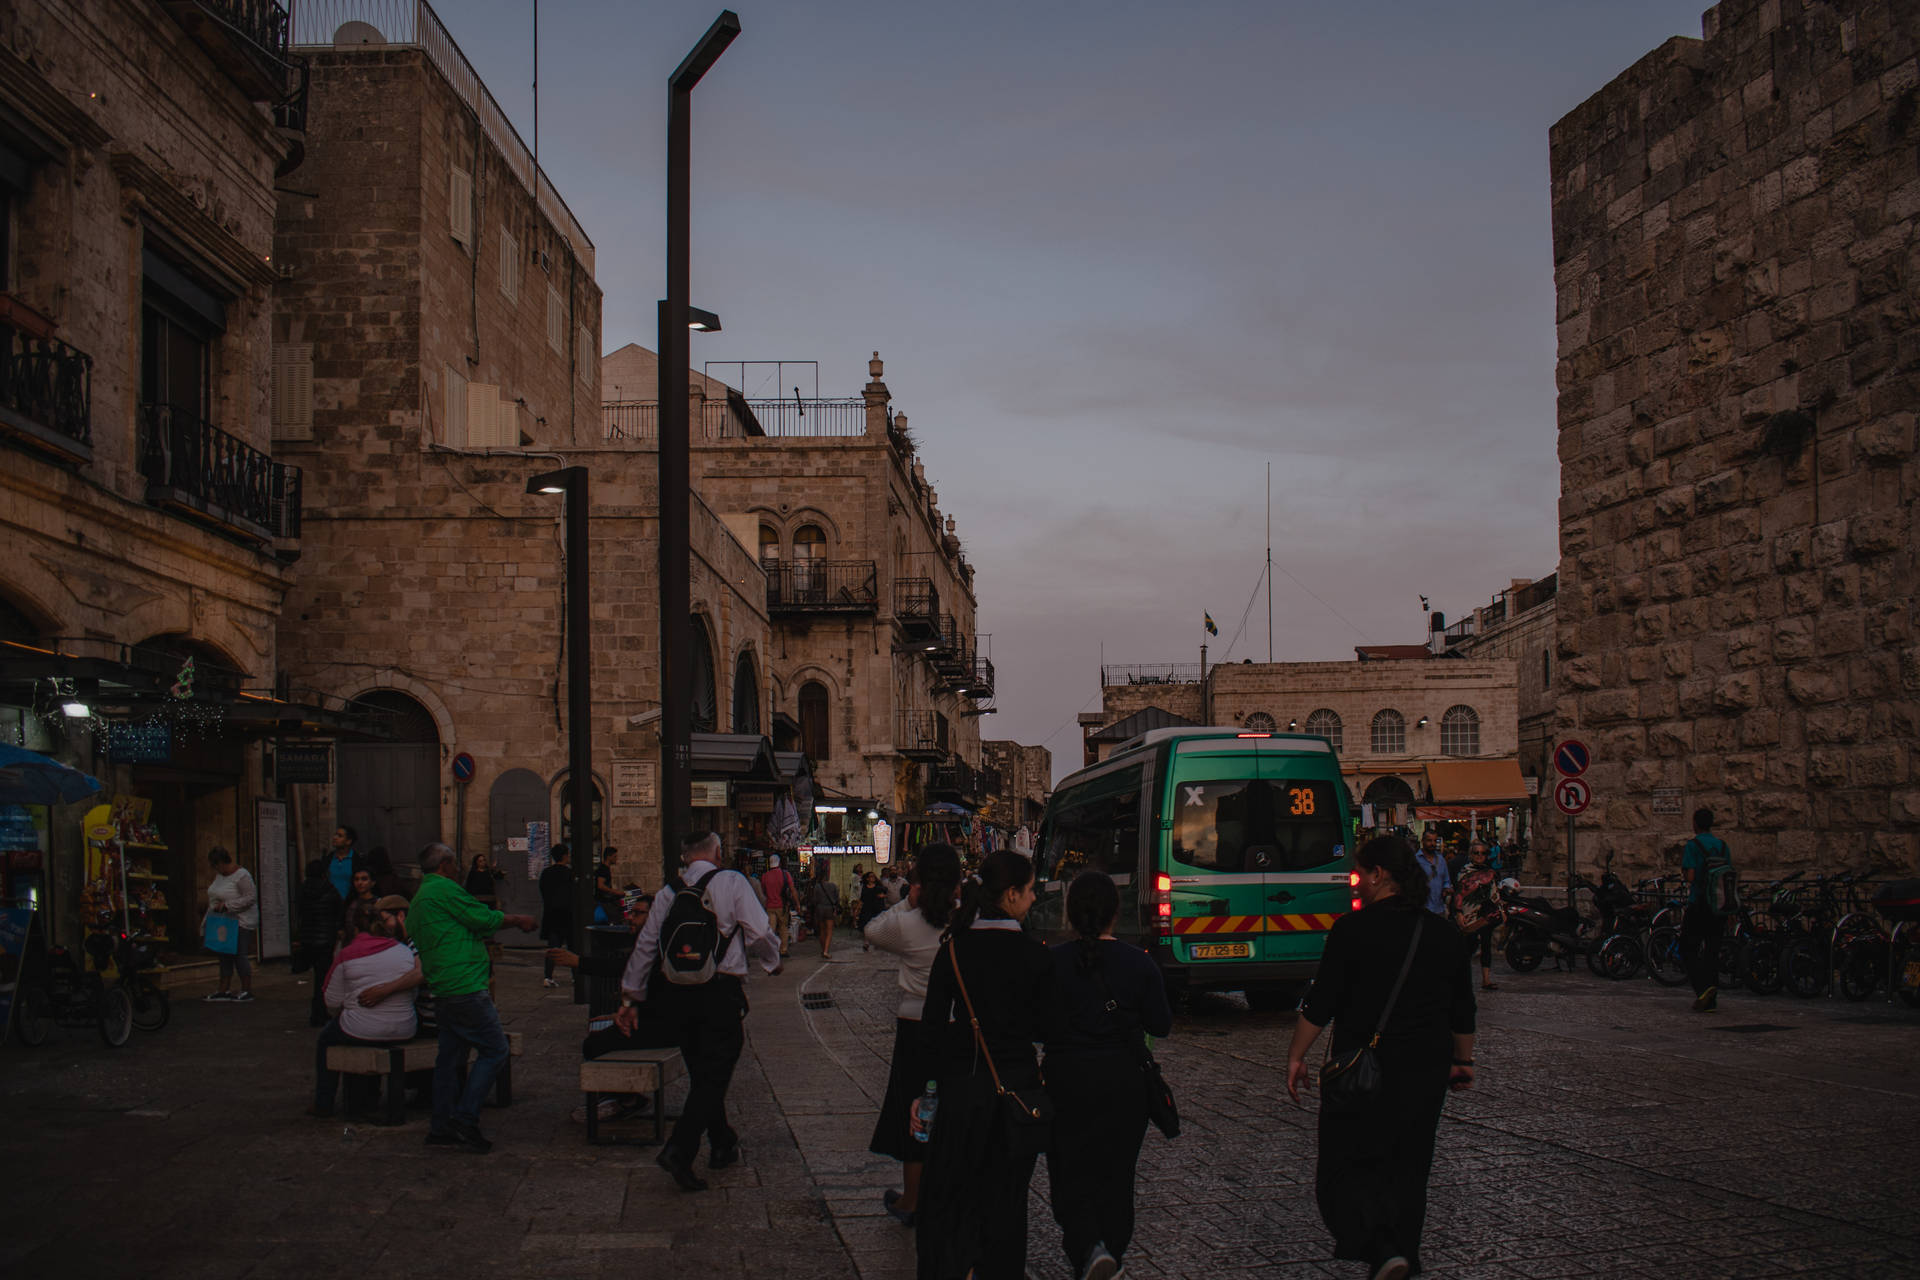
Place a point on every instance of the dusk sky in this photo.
(1118, 258)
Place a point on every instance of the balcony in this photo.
(802, 587)
(197, 469)
(46, 393)
(953, 780)
(980, 684)
(947, 651)
(921, 735)
(247, 39)
(916, 609)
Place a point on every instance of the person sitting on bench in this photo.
(369, 990)
(603, 1037)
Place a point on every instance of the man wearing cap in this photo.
(776, 885)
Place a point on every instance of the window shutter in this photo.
(584, 356)
(483, 416)
(293, 391)
(509, 265)
(556, 321)
(453, 429)
(460, 205)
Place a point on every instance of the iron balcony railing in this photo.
(1151, 673)
(191, 463)
(262, 22)
(821, 586)
(915, 600)
(734, 419)
(980, 684)
(948, 653)
(46, 387)
(921, 735)
(247, 39)
(955, 778)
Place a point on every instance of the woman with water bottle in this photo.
(911, 929)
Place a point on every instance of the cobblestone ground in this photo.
(1613, 1132)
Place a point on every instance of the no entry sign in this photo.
(1571, 758)
(1573, 796)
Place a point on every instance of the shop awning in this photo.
(1459, 812)
(737, 757)
(1470, 783)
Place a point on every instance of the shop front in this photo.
(1473, 800)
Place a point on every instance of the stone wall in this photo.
(1026, 780)
(1733, 238)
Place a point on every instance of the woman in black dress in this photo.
(1371, 1181)
(1106, 995)
(973, 1199)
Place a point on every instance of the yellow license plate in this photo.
(1221, 950)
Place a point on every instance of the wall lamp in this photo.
(1422, 724)
(1292, 725)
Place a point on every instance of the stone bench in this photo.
(396, 1060)
(645, 1071)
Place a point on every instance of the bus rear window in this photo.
(1255, 825)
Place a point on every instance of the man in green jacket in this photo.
(450, 928)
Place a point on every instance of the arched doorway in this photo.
(746, 696)
(1386, 795)
(518, 796)
(389, 792)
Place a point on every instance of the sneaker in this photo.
(217, 996)
(242, 997)
(468, 1137)
(549, 982)
(1708, 1000)
(1100, 1265)
(1394, 1268)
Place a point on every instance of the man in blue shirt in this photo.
(1701, 925)
(1439, 879)
(340, 868)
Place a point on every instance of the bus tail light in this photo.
(1162, 899)
(1353, 884)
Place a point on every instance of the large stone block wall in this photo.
(1736, 267)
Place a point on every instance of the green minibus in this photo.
(1230, 849)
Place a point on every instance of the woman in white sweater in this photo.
(231, 893)
(911, 929)
(370, 991)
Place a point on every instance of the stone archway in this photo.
(389, 792)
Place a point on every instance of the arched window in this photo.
(1385, 793)
(813, 721)
(1325, 723)
(769, 544)
(1389, 733)
(746, 696)
(809, 563)
(1460, 732)
(1258, 722)
(706, 701)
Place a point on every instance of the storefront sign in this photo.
(811, 849)
(1669, 802)
(882, 842)
(148, 742)
(634, 784)
(709, 795)
(292, 765)
(754, 802)
(270, 840)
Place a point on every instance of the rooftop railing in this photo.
(1151, 673)
(631, 420)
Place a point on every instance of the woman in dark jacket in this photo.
(320, 910)
(1372, 1176)
(483, 879)
(1106, 996)
(973, 1198)
(873, 900)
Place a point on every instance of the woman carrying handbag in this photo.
(1394, 982)
(1106, 995)
(986, 1006)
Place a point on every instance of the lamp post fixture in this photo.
(572, 482)
(676, 604)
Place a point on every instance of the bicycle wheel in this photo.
(1763, 966)
(1803, 968)
(1730, 966)
(1621, 956)
(151, 1006)
(116, 1016)
(1664, 963)
(1859, 968)
(33, 1017)
(1595, 964)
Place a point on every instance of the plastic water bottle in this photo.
(924, 1107)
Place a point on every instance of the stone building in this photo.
(436, 345)
(873, 667)
(1518, 624)
(1020, 780)
(1739, 360)
(144, 519)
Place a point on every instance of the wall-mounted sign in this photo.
(305, 763)
(539, 839)
(634, 785)
(883, 842)
(463, 767)
(148, 742)
(1669, 802)
(754, 802)
(709, 795)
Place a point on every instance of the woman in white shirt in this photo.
(231, 893)
(911, 929)
(370, 990)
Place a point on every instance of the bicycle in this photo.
(55, 989)
(1821, 928)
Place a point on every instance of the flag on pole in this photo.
(1212, 630)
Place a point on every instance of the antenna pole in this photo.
(536, 100)
(1269, 562)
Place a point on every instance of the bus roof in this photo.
(1184, 733)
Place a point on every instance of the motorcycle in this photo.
(1537, 928)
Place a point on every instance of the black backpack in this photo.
(691, 943)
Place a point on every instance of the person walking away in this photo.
(1106, 996)
(556, 906)
(824, 901)
(1439, 878)
(369, 990)
(1473, 910)
(319, 910)
(604, 1036)
(708, 1015)
(344, 862)
(231, 893)
(1371, 1179)
(911, 929)
(776, 885)
(873, 900)
(973, 1196)
(1705, 858)
(450, 929)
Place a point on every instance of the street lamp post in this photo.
(676, 605)
(572, 481)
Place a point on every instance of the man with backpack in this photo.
(1712, 894)
(699, 936)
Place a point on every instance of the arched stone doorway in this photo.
(519, 796)
(389, 792)
(1385, 795)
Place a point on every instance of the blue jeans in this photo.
(468, 1021)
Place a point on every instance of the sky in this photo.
(1121, 258)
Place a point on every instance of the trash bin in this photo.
(603, 994)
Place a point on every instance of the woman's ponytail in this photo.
(999, 872)
(1093, 903)
(936, 868)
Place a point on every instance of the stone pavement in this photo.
(1614, 1133)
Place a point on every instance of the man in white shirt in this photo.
(708, 1014)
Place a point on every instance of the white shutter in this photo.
(483, 416)
(293, 391)
(460, 205)
(585, 356)
(509, 265)
(453, 428)
(556, 321)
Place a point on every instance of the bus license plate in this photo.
(1221, 951)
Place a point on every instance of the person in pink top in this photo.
(370, 990)
(783, 897)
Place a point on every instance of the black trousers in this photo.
(322, 958)
(1700, 931)
(1099, 1121)
(709, 1021)
(1371, 1178)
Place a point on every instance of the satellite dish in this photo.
(352, 33)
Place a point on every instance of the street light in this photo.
(700, 321)
(676, 320)
(572, 481)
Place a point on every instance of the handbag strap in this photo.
(979, 1037)
(1405, 965)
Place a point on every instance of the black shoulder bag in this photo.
(1026, 1114)
(1161, 1108)
(1352, 1083)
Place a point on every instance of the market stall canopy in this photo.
(27, 777)
(737, 757)
(1467, 783)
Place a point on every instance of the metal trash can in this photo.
(603, 993)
